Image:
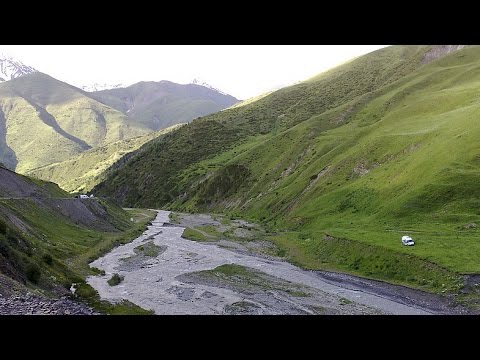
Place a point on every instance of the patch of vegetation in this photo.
(97, 271)
(3, 227)
(33, 273)
(88, 294)
(243, 278)
(225, 221)
(223, 183)
(47, 258)
(174, 217)
(344, 301)
(231, 270)
(192, 234)
(297, 293)
(211, 230)
(148, 249)
(115, 280)
(241, 307)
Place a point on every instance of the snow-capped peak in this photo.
(98, 87)
(198, 81)
(11, 68)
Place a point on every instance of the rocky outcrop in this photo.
(438, 51)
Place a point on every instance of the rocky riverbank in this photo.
(31, 304)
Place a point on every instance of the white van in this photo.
(407, 241)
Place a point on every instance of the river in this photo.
(156, 284)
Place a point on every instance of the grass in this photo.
(192, 234)
(231, 270)
(125, 307)
(225, 221)
(211, 230)
(148, 249)
(244, 278)
(174, 217)
(344, 301)
(297, 293)
(372, 261)
(82, 172)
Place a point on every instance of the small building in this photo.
(82, 196)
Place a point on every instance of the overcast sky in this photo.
(240, 70)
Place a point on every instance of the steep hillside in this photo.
(43, 120)
(158, 105)
(340, 166)
(82, 172)
(165, 161)
(47, 237)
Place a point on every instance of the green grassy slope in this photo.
(165, 160)
(82, 172)
(340, 167)
(158, 105)
(43, 120)
(47, 239)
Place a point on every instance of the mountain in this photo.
(47, 237)
(44, 120)
(11, 68)
(158, 105)
(99, 86)
(198, 81)
(82, 172)
(340, 166)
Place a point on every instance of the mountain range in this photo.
(45, 121)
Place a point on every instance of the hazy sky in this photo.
(240, 70)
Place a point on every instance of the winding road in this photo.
(155, 285)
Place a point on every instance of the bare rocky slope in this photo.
(46, 238)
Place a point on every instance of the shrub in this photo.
(33, 273)
(3, 227)
(85, 291)
(47, 258)
(98, 271)
(115, 280)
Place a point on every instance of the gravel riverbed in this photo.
(178, 279)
